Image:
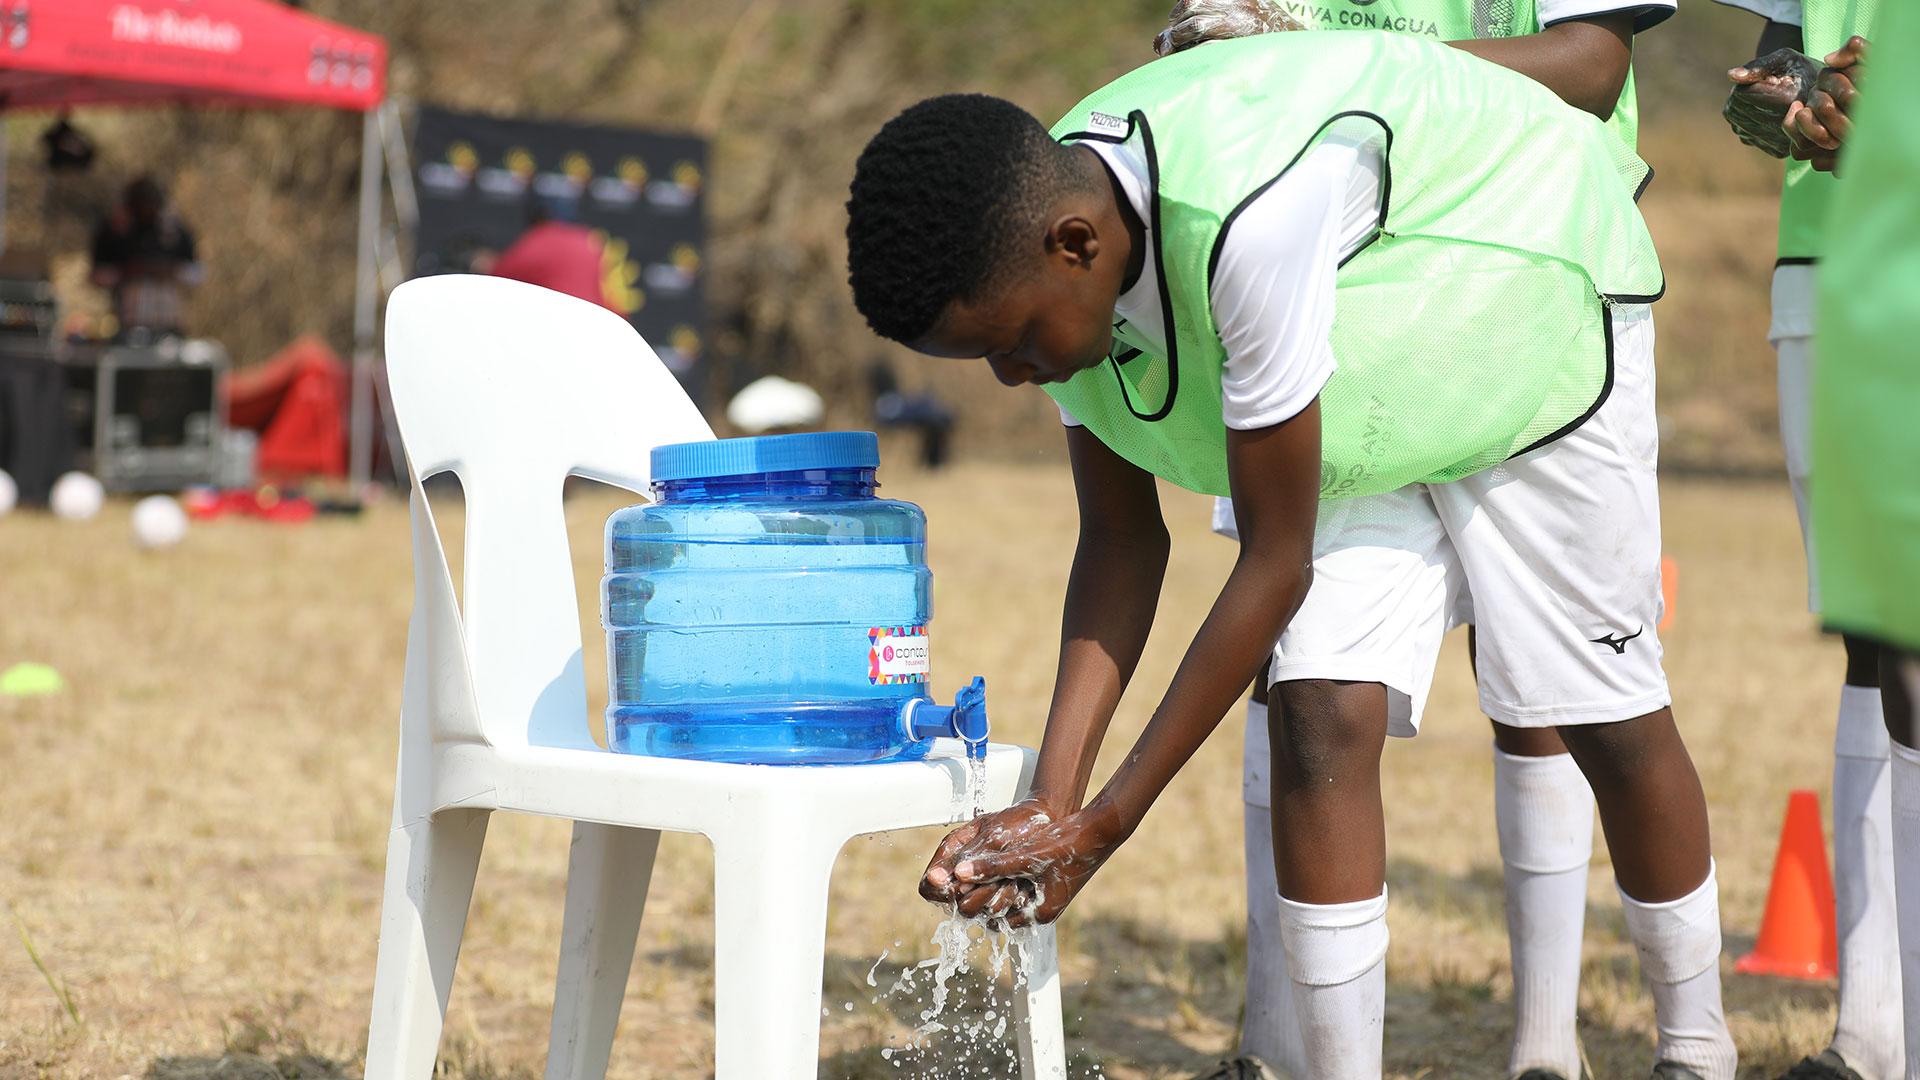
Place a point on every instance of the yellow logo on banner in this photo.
(619, 275)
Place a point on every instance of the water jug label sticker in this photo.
(897, 654)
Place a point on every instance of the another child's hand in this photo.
(1819, 125)
(1034, 879)
(1764, 91)
(1194, 22)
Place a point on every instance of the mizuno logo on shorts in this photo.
(1618, 644)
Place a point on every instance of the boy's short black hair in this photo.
(944, 198)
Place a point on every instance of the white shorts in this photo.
(1791, 333)
(1557, 552)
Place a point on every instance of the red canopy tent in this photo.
(220, 53)
(215, 52)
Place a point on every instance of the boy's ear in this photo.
(1073, 238)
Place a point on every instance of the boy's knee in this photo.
(1622, 751)
(1326, 731)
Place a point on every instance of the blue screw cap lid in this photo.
(767, 454)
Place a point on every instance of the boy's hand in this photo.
(1819, 124)
(1765, 90)
(993, 832)
(1194, 22)
(1035, 879)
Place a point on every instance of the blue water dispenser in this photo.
(767, 607)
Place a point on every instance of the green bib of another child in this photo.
(1450, 20)
(1471, 328)
(1806, 196)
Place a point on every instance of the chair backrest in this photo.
(513, 387)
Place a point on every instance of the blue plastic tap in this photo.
(965, 719)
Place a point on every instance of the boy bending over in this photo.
(1391, 299)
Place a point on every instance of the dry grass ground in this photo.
(192, 835)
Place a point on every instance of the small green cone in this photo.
(30, 680)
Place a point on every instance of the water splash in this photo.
(977, 785)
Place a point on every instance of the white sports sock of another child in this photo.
(1272, 1031)
(1867, 1034)
(1544, 810)
(1678, 942)
(1337, 957)
(1906, 873)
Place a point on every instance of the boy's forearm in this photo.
(1584, 61)
(1255, 605)
(1111, 598)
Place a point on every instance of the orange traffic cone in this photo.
(1669, 590)
(1797, 934)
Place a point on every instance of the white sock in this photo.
(1337, 956)
(1867, 1034)
(1544, 810)
(1679, 946)
(1272, 1031)
(1906, 873)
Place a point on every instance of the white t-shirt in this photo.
(1780, 11)
(1646, 13)
(1272, 291)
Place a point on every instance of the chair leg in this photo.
(607, 877)
(1036, 1009)
(430, 870)
(770, 939)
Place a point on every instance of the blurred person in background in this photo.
(1866, 494)
(555, 252)
(144, 254)
(1787, 104)
(1582, 50)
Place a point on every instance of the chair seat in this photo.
(702, 797)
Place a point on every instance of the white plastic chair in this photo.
(514, 387)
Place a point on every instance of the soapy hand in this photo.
(1817, 124)
(1193, 22)
(1032, 877)
(1764, 91)
(998, 831)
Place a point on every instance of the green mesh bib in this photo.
(1472, 327)
(1450, 20)
(1806, 196)
(1866, 502)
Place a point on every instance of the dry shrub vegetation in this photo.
(790, 90)
(192, 836)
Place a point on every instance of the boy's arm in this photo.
(1112, 592)
(1275, 473)
(1118, 566)
(1585, 61)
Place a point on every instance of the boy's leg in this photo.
(1866, 1033)
(1543, 810)
(1865, 1036)
(1354, 664)
(1561, 549)
(1271, 1032)
(1327, 737)
(1655, 818)
(1900, 681)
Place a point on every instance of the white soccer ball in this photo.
(77, 496)
(9, 493)
(772, 402)
(158, 522)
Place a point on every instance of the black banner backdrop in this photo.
(478, 176)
